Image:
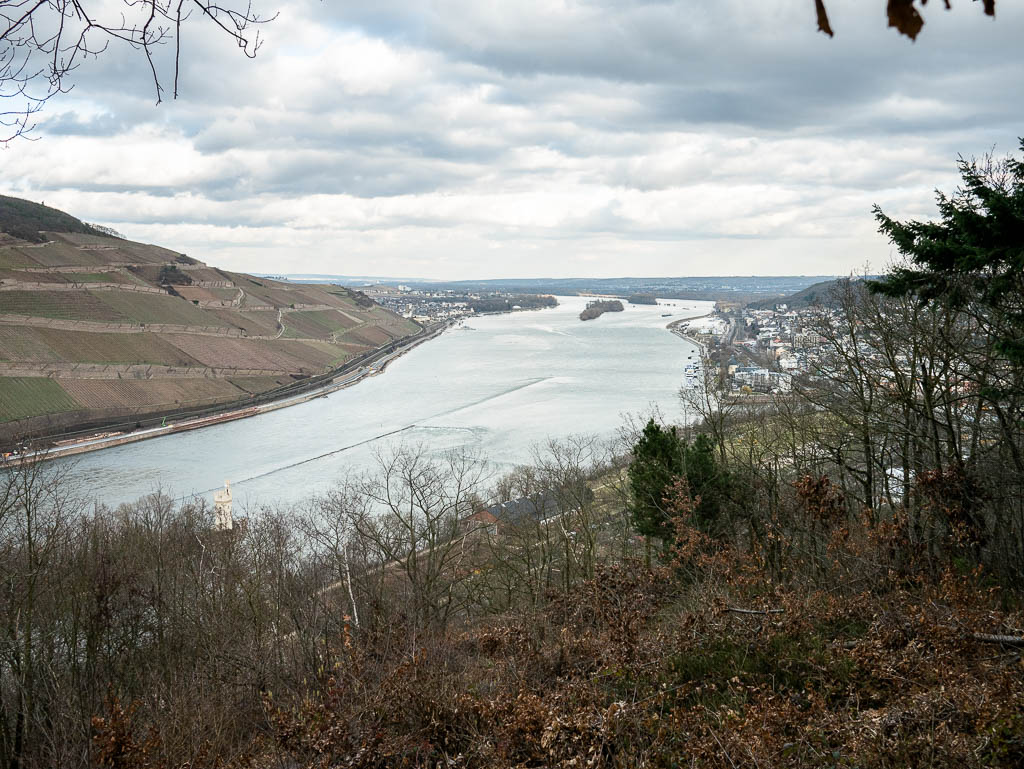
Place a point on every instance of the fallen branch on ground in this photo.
(736, 610)
(1008, 640)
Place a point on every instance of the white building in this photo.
(222, 509)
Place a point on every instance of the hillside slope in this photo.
(100, 330)
(817, 294)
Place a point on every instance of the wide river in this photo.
(496, 387)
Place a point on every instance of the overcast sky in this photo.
(476, 139)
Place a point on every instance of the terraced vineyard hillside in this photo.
(99, 330)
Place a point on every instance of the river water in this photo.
(496, 387)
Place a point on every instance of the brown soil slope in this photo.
(96, 329)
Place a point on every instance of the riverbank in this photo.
(676, 328)
(373, 365)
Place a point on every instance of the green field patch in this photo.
(23, 397)
(155, 308)
(59, 254)
(316, 324)
(94, 277)
(293, 332)
(65, 305)
(13, 256)
(50, 345)
(88, 347)
(352, 348)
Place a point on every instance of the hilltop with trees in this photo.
(28, 221)
(821, 294)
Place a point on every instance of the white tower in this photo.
(222, 508)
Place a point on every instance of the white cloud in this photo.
(550, 137)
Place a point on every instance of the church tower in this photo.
(222, 509)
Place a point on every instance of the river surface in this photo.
(496, 387)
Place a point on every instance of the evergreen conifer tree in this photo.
(972, 259)
(660, 457)
(657, 462)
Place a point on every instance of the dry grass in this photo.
(148, 393)
(255, 323)
(275, 355)
(25, 344)
(372, 336)
(194, 293)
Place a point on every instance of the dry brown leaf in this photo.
(904, 16)
(823, 25)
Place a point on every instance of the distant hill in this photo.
(735, 288)
(818, 294)
(101, 331)
(25, 220)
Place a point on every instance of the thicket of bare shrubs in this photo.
(333, 637)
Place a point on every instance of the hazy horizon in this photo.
(422, 279)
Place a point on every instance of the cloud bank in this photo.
(462, 139)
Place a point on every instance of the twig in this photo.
(724, 751)
(736, 610)
(1007, 640)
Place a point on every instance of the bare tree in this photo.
(524, 555)
(406, 520)
(43, 41)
